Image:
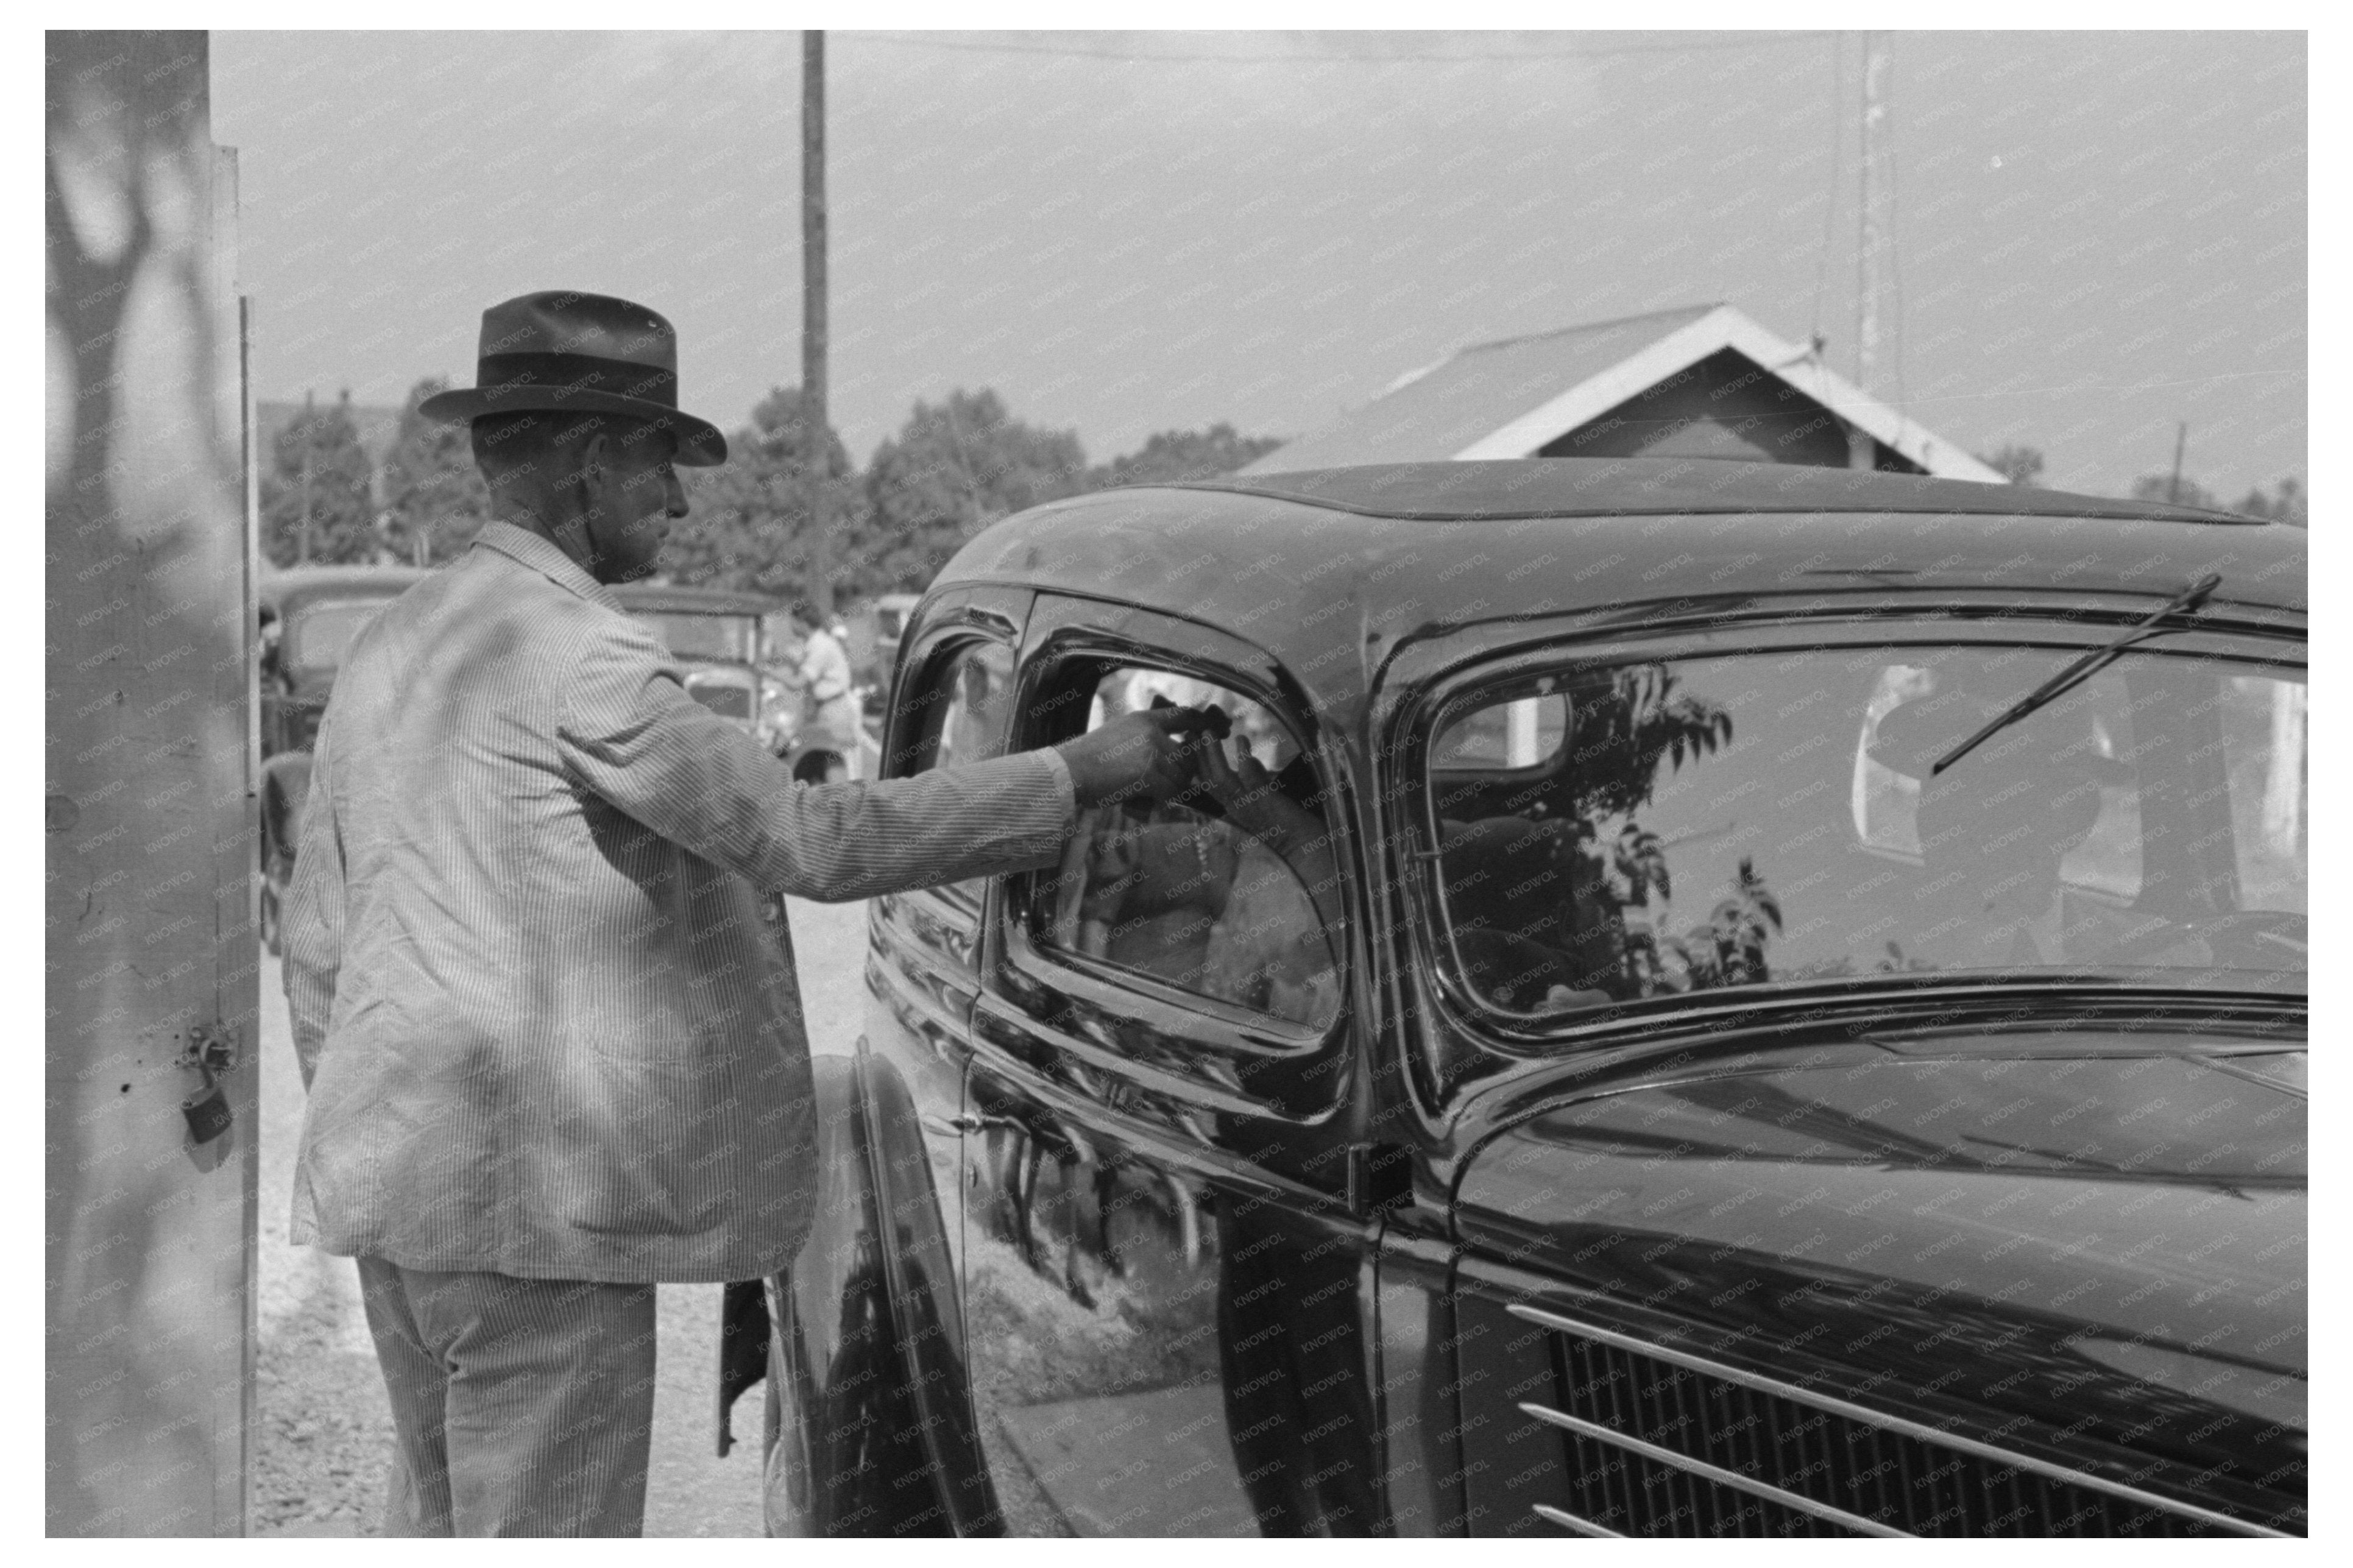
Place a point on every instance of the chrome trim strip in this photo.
(1568, 1521)
(1722, 1477)
(1819, 1401)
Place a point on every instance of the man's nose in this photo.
(676, 500)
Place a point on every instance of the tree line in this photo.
(952, 468)
(2285, 503)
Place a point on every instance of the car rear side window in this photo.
(1228, 891)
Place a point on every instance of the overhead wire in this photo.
(1297, 56)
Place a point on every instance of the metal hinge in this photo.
(209, 1047)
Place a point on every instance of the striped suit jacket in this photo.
(546, 1028)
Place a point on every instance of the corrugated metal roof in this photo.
(1511, 399)
(1434, 415)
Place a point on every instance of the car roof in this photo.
(1322, 565)
(1645, 487)
(679, 598)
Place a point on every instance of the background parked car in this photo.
(1660, 1037)
(309, 616)
(715, 633)
(888, 617)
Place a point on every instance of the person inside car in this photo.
(1997, 827)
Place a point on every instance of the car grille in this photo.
(1662, 1446)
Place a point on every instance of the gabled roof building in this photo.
(1703, 380)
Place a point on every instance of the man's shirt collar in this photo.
(543, 556)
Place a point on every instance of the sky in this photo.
(2096, 236)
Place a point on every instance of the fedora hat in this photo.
(568, 353)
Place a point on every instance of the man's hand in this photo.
(1140, 755)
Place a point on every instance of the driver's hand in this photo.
(1138, 756)
(1246, 791)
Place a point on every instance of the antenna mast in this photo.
(1874, 238)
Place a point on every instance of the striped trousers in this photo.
(519, 1407)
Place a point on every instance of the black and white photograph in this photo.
(1292, 773)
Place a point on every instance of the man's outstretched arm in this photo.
(633, 736)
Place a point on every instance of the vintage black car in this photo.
(309, 616)
(1726, 1000)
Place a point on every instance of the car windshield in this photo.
(323, 630)
(693, 634)
(1614, 834)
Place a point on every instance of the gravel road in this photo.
(323, 1436)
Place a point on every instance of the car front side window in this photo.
(966, 707)
(1227, 891)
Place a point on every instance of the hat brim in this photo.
(699, 444)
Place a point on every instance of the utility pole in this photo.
(310, 425)
(2173, 488)
(815, 449)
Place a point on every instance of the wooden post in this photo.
(816, 448)
(151, 852)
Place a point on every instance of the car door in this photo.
(1166, 1290)
(952, 707)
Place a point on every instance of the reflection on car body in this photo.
(1569, 1062)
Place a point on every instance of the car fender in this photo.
(870, 1410)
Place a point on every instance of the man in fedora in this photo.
(552, 1051)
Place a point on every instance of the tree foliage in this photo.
(1634, 728)
(748, 526)
(315, 500)
(2018, 465)
(1172, 456)
(954, 468)
(435, 500)
(2285, 504)
(2288, 504)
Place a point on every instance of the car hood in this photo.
(2100, 1240)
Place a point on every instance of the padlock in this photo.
(207, 1110)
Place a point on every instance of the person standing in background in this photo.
(825, 675)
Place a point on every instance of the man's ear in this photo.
(595, 453)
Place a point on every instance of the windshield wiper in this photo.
(2189, 599)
